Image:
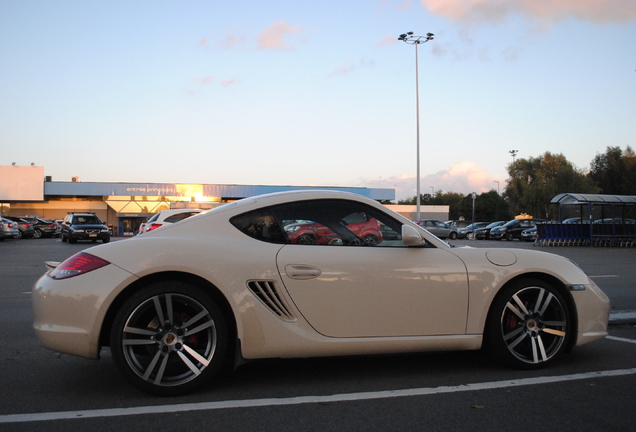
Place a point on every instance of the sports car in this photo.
(228, 286)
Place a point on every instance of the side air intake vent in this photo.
(267, 293)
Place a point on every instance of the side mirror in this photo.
(411, 236)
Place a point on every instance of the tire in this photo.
(19, 235)
(64, 238)
(105, 239)
(529, 324)
(509, 236)
(160, 351)
(452, 235)
(370, 240)
(37, 234)
(306, 239)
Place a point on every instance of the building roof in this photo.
(574, 198)
(206, 190)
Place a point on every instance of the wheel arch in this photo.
(211, 289)
(555, 282)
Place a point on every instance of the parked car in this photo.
(169, 217)
(616, 221)
(438, 228)
(576, 220)
(9, 229)
(484, 233)
(43, 227)
(84, 226)
(229, 286)
(363, 226)
(529, 234)
(468, 232)
(457, 224)
(512, 229)
(25, 229)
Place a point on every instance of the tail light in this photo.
(77, 265)
(152, 226)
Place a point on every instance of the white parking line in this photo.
(621, 339)
(604, 276)
(346, 397)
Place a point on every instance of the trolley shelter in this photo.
(599, 220)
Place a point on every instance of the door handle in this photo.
(301, 271)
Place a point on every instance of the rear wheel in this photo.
(370, 240)
(18, 235)
(169, 338)
(509, 236)
(37, 234)
(529, 324)
(306, 239)
(452, 235)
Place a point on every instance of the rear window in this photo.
(179, 216)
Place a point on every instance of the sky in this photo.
(313, 93)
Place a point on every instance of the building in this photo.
(124, 206)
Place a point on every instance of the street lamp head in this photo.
(412, 39)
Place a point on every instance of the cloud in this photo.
(463, 177)
(206, 80)
(351, 67)
(229, 82)
(231, 40)
(273, 37)
(388, 40)
(543, 12)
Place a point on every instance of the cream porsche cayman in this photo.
(230, 285)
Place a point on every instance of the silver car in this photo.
(438, 228)
(9, 229)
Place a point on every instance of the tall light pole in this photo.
(513, 153)
(411, 39)
(497, 181)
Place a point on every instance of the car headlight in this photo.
(104, 229)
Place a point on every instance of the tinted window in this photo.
(179, 216)
(261, 225)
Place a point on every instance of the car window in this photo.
(321, 222)
(261, 225)
(86, 220)
(337, 223)
(179, 216)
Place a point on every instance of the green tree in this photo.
(489, 206)
(534, 181)
(614, 172)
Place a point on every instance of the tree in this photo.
(489, 206)
(534, 181)
(614, 172)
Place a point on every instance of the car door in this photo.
(365, 291)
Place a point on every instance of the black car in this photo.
(484, 232)
(513, 229)
(25, 228)
(84, 226)
(43, 227)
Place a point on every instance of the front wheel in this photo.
(529, 324)
(37, 234)
(509, 236)
(452, 235)
(169, 338)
